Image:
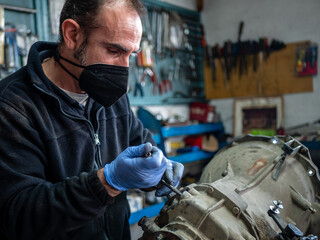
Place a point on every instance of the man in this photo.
(70, 145)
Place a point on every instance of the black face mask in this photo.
(102, 82)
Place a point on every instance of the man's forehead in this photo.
(116, 17)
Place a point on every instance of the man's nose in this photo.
(124, 62)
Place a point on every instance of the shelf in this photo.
(192, 156)
(156, 100)
(148, 212)
(171, 131)
(195, 156)
(157, 138)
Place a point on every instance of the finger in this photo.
(140, 151)
(169, 172)
(177, 173)
(155, 161)
(163, 191)
(147, 148)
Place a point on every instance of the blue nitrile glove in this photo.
(131, 169)
(173, 175)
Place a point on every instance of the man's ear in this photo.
(71, 33)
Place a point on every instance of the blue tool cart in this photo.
(160, 133)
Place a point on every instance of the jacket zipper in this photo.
(98, 159)
(97, 141)
(95, 135)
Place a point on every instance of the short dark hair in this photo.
(84, 12)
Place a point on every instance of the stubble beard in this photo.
(80, 54)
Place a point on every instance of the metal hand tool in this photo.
(138, 89)
(172, 188)
(163, 181)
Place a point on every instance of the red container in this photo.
(194, 141)
(202, 112)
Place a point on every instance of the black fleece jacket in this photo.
(50, 150)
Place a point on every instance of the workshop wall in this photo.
(181, 110)
(286, 20)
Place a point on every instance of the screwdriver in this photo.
(163, 182)
(172, 188)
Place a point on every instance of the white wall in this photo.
(286, 20)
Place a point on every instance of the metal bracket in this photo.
(287, 150)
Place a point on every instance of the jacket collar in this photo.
(38, 52)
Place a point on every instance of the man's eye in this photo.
(114, 51)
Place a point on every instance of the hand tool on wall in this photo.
(208, 57)
(139, 84)
(306, 59)
(227, 55)
(159, 32)
(11, 49)
(266, 48)
(147, 31)
(166, 30)
(177, 64)
(145, 57)
(276, 45)
(199, 5)
(152, 75)
(242, 57)
(178, 31)
(214, 55)
(154, 18)
(235, 54)
(314, 53)
(247, 50)
(255, 51)
(205, 46)
(23, 36)
(138, 90)
(165, 84)
(219, 52)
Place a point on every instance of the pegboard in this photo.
(274, 76)
(189, 85)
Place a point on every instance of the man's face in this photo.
(116, 38)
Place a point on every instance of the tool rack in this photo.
(32, 13)
(186, 87)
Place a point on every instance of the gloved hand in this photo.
(173, 175)
(131, 169)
